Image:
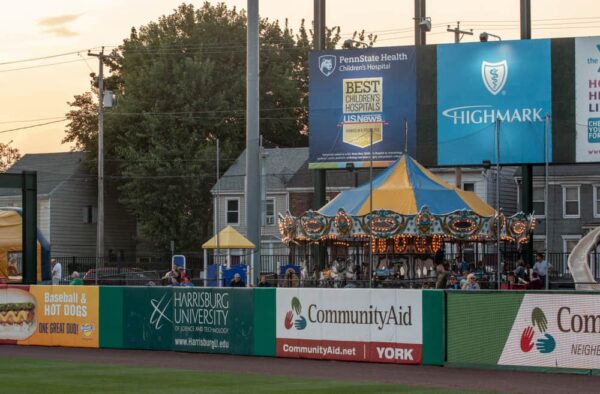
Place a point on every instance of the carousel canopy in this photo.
(405, 188)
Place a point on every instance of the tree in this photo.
(180, 85)
(8, 156)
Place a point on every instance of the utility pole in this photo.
(527, 169)
(252, 137)
(100, 214)
(458, 35)
(420, 19)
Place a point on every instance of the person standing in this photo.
(56, 272)
(541, 266)
(442, 277)
(237, 281)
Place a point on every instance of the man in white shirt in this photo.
(541, 266)
(56, 272)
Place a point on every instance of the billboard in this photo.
(206, 320)
(358, 96)
(350, 324)
(49, 315)
(480, 82)
(587, 97)
(524, 329)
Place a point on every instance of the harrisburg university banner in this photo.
(49, 315)
(207, 320)
(353, 324)
(528, 330)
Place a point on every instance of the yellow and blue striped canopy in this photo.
(405, 188)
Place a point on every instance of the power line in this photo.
(32, 126)
(32, 120)
(41, 65)
(33, 59)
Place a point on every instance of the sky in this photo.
(37, 92)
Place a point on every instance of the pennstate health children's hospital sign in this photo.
(479, 83)
(358, 94)
(587, 95)
(354, 325)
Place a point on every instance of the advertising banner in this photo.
(480, 83)
(587, 97)
(555, 330)
(187, 319)
(354, 324)
(527, 330)
(358, 96)
(49, 315)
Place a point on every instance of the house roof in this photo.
(52, 170)
(567, 170)
(229, 238)
(280, 166)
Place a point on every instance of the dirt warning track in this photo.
(427, 376)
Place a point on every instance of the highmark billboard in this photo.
(587, 97)
(480, 83)
(354, 325)
(358, 96)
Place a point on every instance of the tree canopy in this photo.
(179, 85)
(8, 155)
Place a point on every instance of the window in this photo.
(597, 201)
(469, 186)
(539, 207)
(539, 243)
(569, 242)
(233, 211)
(571, 201)
(89, 214)
(270, 212)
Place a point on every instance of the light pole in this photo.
(498, 227)
(546, 170)
(371, 271)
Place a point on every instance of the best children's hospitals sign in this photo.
(356, 325)
(362, 103)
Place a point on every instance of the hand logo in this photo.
(527, 340)
(288, 320)
(546, 345)
(296, 306)
(300, 323)
(538, 318)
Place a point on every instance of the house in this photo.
(573, 205)
(290, 188)
(67, 207)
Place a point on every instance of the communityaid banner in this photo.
(350, 324)
(587, 97)
(49, 315)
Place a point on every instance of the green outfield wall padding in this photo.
(479, 325)
(111, 317)
(264, 322)
(434, 349)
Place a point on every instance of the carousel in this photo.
(399, 222)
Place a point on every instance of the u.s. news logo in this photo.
(494, 75)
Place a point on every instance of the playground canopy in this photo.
(228, 238)
(409, 203)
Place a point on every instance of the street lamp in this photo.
(484, 37)
(353, 44)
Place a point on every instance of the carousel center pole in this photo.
(371, 213)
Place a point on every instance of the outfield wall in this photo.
(545, 331)
(549, 331)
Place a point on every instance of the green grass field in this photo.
(23, 375)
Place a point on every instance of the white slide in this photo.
(578, 261)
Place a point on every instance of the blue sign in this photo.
(361, 106)
(479, 83)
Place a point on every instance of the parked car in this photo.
(121, 276)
